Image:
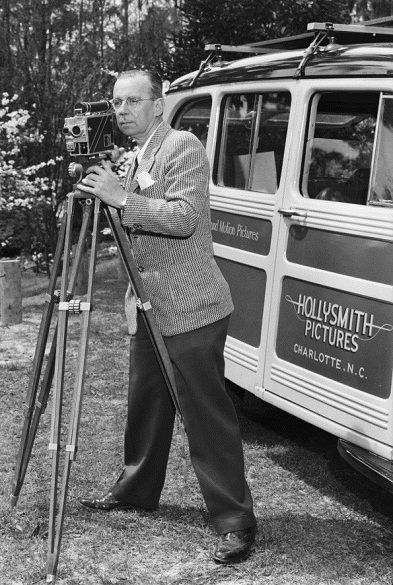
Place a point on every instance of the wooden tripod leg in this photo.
(57, 520)
(36, 405)
(144, 305)
(62, 324)
(23, 453)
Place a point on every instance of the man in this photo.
(166, 208)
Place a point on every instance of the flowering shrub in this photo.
(27, 200)
(123, 163)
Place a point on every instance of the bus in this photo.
(299, 134)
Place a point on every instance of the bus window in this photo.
(253, 134)
(381, 192)
(195, 117)
(339, 146)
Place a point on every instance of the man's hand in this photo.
(113, 155)
(102, 182)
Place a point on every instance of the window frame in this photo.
(187, 106)
(313, 110)
(222, 136)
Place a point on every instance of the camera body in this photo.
(91, 130)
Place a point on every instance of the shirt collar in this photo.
(141, 151)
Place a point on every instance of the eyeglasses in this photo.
(131, 102)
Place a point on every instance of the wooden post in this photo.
(10, 292)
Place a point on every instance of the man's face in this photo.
(139, 120)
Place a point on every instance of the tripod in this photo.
(55, 368)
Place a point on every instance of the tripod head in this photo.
(77, 170)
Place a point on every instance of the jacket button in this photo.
(140, 268)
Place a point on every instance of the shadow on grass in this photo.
(270, 427)
(288, 543)
(313, 543)
(176, 514)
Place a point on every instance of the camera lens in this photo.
(76, 130)
(90, 107)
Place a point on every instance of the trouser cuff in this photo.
(233, 523)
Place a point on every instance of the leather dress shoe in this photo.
(234, 547)
(107, 503)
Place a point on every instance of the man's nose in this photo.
(123, 107)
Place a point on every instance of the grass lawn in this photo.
(320, 523)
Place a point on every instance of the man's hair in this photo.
(153, 77)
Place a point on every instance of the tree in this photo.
(293, 16)
(245, 21)
(154, 35)
(222, 22)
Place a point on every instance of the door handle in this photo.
(289, 212)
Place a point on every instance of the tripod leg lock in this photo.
(143, 306)
(75, 306)
(73, 449)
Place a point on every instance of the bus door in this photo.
(330, 343)
(248, 157)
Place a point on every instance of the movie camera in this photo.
(89, 133)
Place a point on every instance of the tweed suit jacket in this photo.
(170, 233)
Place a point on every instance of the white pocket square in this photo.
(144, 180)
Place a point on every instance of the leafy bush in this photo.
(27, 201)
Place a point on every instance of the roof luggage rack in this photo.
(271, 46)
(350, 34)
(320, 35)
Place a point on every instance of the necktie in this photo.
(131, 173)
(135, 167)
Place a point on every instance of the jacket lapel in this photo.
(149, 155)
(153, 146)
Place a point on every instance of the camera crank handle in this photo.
(75, 170)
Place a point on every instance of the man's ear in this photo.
(159, 106)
